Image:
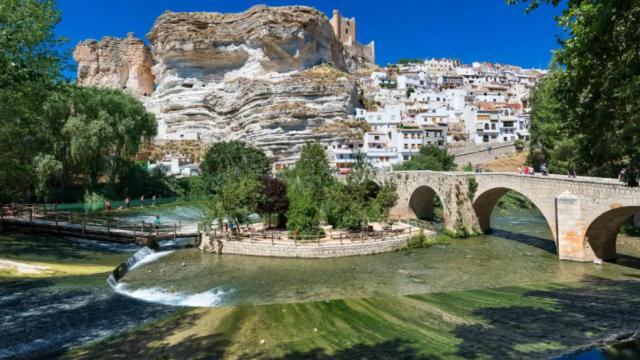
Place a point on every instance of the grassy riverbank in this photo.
(515, 322)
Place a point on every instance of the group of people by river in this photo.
(126, 203)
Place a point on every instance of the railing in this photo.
(421, 224)
(284, 238)
(83, 224)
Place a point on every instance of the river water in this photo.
(41, 317)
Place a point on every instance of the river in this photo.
(43, 317)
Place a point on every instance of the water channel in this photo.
(41, 316)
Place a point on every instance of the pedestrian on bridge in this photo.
(157, 221)
(543, 169)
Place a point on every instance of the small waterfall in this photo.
(124, 268)
(146, 255)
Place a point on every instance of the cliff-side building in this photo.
(346, 31)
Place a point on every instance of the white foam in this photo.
(209, 298)
(149, 258)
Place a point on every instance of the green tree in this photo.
(351, 205)
(233, 157)
(430, 157)
(312, 170)
(235, 200)
(105, 128)
(386, 199)
(587, 113)
(47, 170)
(30, 63)
(303, 216)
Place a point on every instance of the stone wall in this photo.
(483, 155)
(312, 251)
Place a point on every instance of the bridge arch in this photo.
(602, 232)
(422, 202)
(486, 201)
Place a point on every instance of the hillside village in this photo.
(386, 114)
(439, 102)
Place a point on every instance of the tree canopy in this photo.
(233, 159)
(54, 134)
(586, 113)
(429, 157)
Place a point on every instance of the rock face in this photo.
(115, 63)
(271, 76)
(256, 76)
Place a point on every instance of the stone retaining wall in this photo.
(313, 251)
(483, 155)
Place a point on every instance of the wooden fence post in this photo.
(175, 231)
(340, 238)
(30, 216)
(318, 239)
(84, 224)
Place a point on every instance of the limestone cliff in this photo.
(272, 76)
(256, 76)
(115, 63)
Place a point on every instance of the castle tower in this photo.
(336, 20)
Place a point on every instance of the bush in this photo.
(93, 202)
(421, 240)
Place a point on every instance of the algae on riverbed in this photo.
(515, 322)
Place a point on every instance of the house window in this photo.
(493, 126)
(406, 136)
(376, 137)
(486, 126)
(406, 146)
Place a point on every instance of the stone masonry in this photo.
(584, 214)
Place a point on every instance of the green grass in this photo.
(516, 322)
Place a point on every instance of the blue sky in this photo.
(470, 30)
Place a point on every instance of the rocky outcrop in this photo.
(272, 76)
(269, 76)
(115, 63)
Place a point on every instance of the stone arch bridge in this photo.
(584, 214)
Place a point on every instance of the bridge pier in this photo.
(572, 243)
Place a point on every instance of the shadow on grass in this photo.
(580, 316)
(150, 343)
(395, 349)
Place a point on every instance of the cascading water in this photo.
(158, 295)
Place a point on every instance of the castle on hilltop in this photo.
(345, 30)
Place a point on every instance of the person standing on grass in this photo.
(153, 200)
(127, 202)
(525, 170)
(142, 200)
